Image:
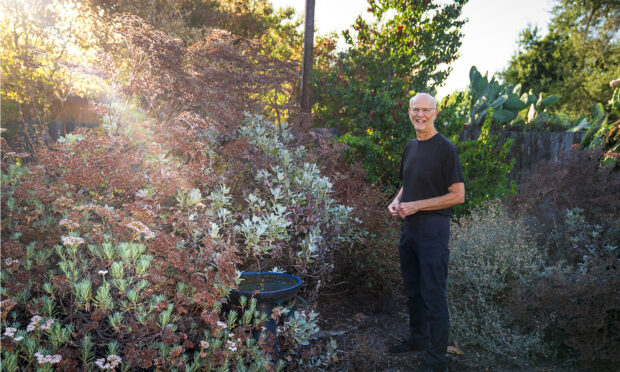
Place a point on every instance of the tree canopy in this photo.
(364, 92)
(576, 59)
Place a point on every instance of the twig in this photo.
(335, 294)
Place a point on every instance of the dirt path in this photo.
(363, 329)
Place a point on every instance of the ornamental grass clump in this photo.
(490, 251)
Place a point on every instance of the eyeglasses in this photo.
(425, 110)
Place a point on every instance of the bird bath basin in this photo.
(267, 286)
(269, 289)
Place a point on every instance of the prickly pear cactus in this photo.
(505, 100)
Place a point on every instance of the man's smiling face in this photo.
(422, 114)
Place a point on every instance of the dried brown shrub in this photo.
(575, 309)
(371, 267)
(573, 204)
(574, 181)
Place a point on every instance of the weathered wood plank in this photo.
(529, 148)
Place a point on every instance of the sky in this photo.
(490, 35)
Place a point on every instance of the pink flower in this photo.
(52, 359)
(140, 228)
(10, 331)
(72, 240)
(47, 325)
(68, 224)
(112, 361)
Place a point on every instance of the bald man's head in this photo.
(424, 97)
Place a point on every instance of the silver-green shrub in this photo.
(290, 206)
(489, 250)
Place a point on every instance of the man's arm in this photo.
(455, 195)
(393, 207)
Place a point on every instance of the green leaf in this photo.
(597, 111)
(549, 101)
(504, 116)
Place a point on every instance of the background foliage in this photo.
(44, 63)
(364, 94)
(120, 243)
(575, 60)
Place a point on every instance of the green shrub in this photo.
(485, 168)
(364, 94)
(489, 252)
(485, 164)
(288, 216)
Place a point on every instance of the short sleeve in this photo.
(453, 173)
(402, 162)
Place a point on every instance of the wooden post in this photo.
(306, 67)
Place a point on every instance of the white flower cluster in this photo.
(52, 359)
(68, 224)
(9, 261)
(221, 324)
(112, 362)
(73, 241)
(231, 346)
(10, 332)
(204, 344)
(35, 322)
(140, 228)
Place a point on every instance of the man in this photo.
(432, 183)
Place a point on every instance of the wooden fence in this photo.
(531, 147)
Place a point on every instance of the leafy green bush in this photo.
(490, 251)
(485, 164)
(485, 168)
(292, 218)
(365, 96)
(603, 131)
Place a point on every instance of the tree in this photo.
(576, 60)
(44, 61)
(192, 20)
(406, 49)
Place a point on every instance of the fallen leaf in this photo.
(360, 317)
(455, 350)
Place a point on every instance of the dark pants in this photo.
(424, 259)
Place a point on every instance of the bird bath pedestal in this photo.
(269, 289)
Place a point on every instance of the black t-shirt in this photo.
(427, 169)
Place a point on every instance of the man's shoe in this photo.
(430, 368)
(406, 347)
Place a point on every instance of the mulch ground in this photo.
(364, 327)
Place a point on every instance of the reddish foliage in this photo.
(192, 96)
(577, 307)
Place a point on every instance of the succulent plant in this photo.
(506, 101)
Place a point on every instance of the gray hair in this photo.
(423, 95)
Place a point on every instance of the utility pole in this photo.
(306, 67)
